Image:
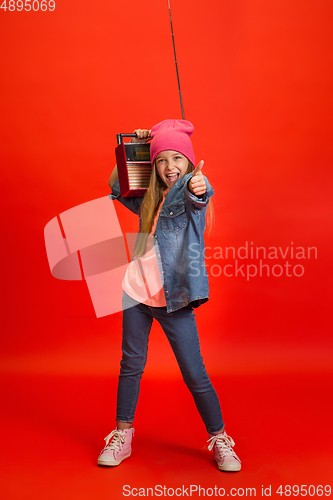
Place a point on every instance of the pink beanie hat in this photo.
(172, 135)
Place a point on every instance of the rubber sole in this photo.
(113, 463)
(231, 468)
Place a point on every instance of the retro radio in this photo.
(133, 159)
(134, 167)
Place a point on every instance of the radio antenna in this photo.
(174, 51)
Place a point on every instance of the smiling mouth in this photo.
(173, 177)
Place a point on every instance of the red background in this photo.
(256, 80)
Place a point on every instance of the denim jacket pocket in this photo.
(173, 218)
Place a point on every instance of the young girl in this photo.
(160, 283)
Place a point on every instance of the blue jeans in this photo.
(181, 331)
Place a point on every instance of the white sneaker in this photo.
(119, 448)
(224, 455)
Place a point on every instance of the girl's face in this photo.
(171, 166)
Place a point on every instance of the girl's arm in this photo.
(113, 176)
(133, 203)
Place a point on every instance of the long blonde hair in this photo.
(150, 204)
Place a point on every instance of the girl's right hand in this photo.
(142, 136)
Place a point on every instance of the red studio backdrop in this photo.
(256, 80)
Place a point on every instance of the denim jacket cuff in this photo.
(115, 191)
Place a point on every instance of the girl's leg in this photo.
(137, 321)
(181, 331)
(123, 425)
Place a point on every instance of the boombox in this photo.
(134, 167)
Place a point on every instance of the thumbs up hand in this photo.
(197, 184)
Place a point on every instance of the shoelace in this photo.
(115, 444)
(224, 444)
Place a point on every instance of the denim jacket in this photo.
(178, 239)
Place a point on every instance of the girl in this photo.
(160, 283)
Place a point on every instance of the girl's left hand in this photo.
(197, 183)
